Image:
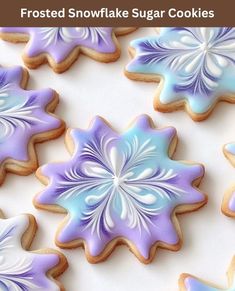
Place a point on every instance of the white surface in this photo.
(89, 88)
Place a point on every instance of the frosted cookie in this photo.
(120, 189)
(27, 270)
(191, 283)
(61, 46)
(195, 68)
(25, 118)
(228, 204)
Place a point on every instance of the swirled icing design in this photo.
(197, 64)
(61, 45)
(22, 115)
(120, 186)
(21, 270)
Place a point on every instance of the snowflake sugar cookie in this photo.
(191, 283)
(26, 270)
(25, 118)
(120, 188)
(195, 67)
(60, 46)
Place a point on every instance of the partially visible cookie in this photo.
(121, 189)
(190, 283)
(25, 118)
(228, 204)
(27, 270)
(61, 46)
(195, 67)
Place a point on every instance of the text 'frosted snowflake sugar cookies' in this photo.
(26, 270)
(60, 46)
(228, 204)
(120, 188)
(195, 68)
(191, 283)
(25, 118)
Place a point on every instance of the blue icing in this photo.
(143, 171)
(230, 148)
(15, 109)
(193, 284)
(196, 63)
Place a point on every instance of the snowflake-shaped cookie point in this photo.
(25, 118)
(228, 204)
(120, 188)
(60, 46)
(26, 270)
(190, 283)
(195, 67)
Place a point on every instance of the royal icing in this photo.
(120, 185)
(22, 115)
(20, 269)
(197, 64)
(59, 42)
(191, 283)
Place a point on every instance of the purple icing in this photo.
(120, 185)
(197, 65)
(193, 284)
(22, 115)
(232, 202)
(20, 269)
(59, 42)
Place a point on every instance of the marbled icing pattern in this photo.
(21, 270)
(22, 115)
(59, 42)
(120, 185)
(197, 64)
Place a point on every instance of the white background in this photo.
(91, 88)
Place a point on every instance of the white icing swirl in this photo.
(15, 264)
(51, 35)
(116, 180)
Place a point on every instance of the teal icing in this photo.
(196, 64)
(120, 185)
